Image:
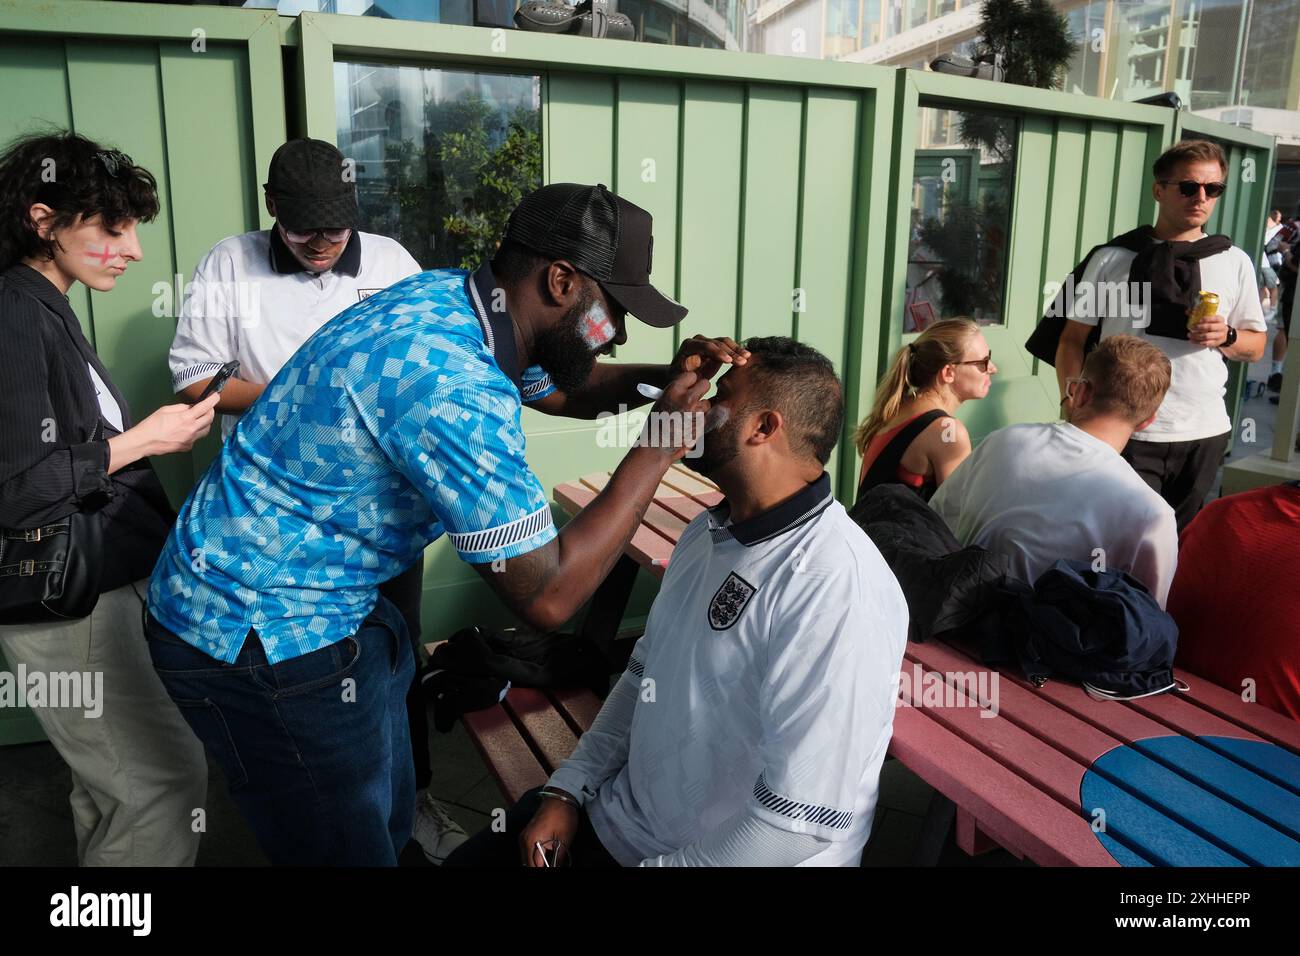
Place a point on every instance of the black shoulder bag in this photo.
(52, 573)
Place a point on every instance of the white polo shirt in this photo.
(1042, 492)
(767, 682)
(251, 300)
(1193, 407)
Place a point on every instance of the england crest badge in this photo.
(729, 601)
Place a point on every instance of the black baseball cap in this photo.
(307, 182)
(605, 236)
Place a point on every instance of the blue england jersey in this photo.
(397, 422)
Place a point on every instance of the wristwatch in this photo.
(1232, 337)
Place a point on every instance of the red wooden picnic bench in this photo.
(530, 733)
(1049, 773)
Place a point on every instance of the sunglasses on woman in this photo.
(982, 364)
(331, 235)
(1190, 187)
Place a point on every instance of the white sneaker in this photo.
(434, 829)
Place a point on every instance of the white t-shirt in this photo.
(250, 302)
(1193, 407)
(1042, 492)
(767, 683)
(108, 406)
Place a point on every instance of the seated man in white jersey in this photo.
(1042, 492)
(752, 720)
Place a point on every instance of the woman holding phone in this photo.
(68, 214)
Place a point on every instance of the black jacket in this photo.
(948, 588)
(53, 438)
(1172, 268)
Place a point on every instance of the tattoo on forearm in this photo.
(525, 576)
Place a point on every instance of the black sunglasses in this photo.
(982, 363)
(1190, 187)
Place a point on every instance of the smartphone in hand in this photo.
(220, 379)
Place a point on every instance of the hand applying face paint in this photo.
(705, 356)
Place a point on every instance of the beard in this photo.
(563, 353)
(718, 445)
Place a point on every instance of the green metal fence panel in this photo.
(770, 210)
(712, 164)
(127, 333)
(831, 168)
(647, 163)
(1098, 185)
(1131, 176)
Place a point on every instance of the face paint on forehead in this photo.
(716, 417)
(596, 327)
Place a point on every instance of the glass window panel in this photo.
(961, 216)
(1211, 32)
(442, 156)
(1088, 27)
(872, 22)
(1270, 54)
(918, 11)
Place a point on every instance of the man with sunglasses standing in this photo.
(1144, 283)
(256, 298)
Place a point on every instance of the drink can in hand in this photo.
(1206, 306)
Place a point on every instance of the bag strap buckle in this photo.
(33, 535)
(26, 568)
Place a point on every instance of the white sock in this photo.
(1277, 368)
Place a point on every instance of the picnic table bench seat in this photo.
(530, 733)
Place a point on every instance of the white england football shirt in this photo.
(1193, 407)
(250, 300)
(767, 682)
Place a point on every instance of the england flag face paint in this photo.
(596, 327)
(716, 417)
(99, 254)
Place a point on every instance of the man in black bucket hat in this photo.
(397, 423)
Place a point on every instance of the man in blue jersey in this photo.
(396, 423)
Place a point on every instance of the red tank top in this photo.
(882, 439)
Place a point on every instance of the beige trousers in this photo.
(138, 772)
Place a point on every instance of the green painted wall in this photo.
(765, 175)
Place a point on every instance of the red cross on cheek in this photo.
(103, 257)
(596, 330)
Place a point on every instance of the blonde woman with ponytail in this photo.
(911, 436)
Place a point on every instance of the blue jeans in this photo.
(315, 749)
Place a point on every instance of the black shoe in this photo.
(1275, 400)
(1275, 383)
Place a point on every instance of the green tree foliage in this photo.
(1031, 40)
(454, 191)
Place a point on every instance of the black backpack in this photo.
(1101, 628)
